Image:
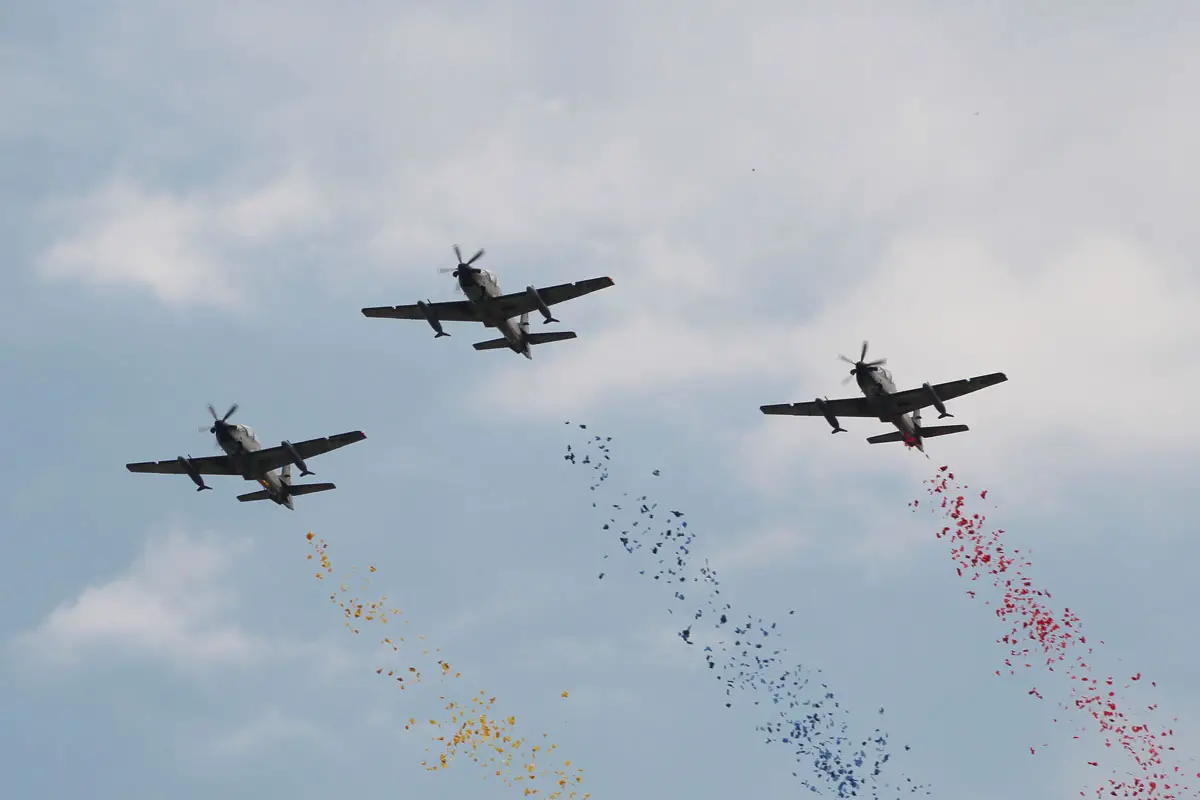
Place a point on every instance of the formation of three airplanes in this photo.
(271, 466)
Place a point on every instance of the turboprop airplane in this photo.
(902, 409)
(246, 457)
(486, 304)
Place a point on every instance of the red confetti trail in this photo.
(1038, 633)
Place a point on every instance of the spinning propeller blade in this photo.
(220, 421)
(862, 362)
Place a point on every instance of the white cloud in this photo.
(1096, 340)
(182, 247)
(129, 236)
(1094, 344)
(171, 605)
(287, 206)
(538, 149)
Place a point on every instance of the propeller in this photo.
(862, 363)
(463, 264)
(220, 422)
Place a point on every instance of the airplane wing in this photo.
(208, 465)
(454, 311)
(270, 458)
(912, 399)
(845, 407)
(518, 303)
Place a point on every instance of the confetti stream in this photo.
(1039, 635)
(472, 729)
(743, 652)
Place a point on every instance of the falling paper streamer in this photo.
(473, 729)
(741, 650)
(1039, 635)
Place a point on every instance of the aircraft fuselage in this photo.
(479, 288)
(239, 442)
(876, 383)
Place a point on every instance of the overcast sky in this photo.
(195, 204)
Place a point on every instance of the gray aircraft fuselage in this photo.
(876, 383)
(479, 287)
(238, 441)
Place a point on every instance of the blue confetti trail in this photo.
(743, 651)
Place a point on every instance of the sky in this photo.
(195, 204)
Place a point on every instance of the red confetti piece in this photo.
(1037, 633)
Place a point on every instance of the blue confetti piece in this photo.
(841, 764)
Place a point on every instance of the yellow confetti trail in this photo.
(471, 729)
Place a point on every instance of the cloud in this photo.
(780, 165)
(1092, 342)
(182, 247)
(170, 606)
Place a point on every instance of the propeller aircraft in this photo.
(271, 467)
(485, 303)
(881, 400)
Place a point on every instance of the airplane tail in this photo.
(530, 338)
(894, 436)
(925, 433)
(292, 490)
(545, 338)
(492, 344)
(942, 430)
(309, 488)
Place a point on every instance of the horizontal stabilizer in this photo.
(925, 433)
(546, 338)
(492, 344)
(293, 490)
(309, 488)
(942, 430)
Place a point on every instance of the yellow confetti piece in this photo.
(468, 729)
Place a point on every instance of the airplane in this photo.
(486, 304)
(902, 409)
(246, 457)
